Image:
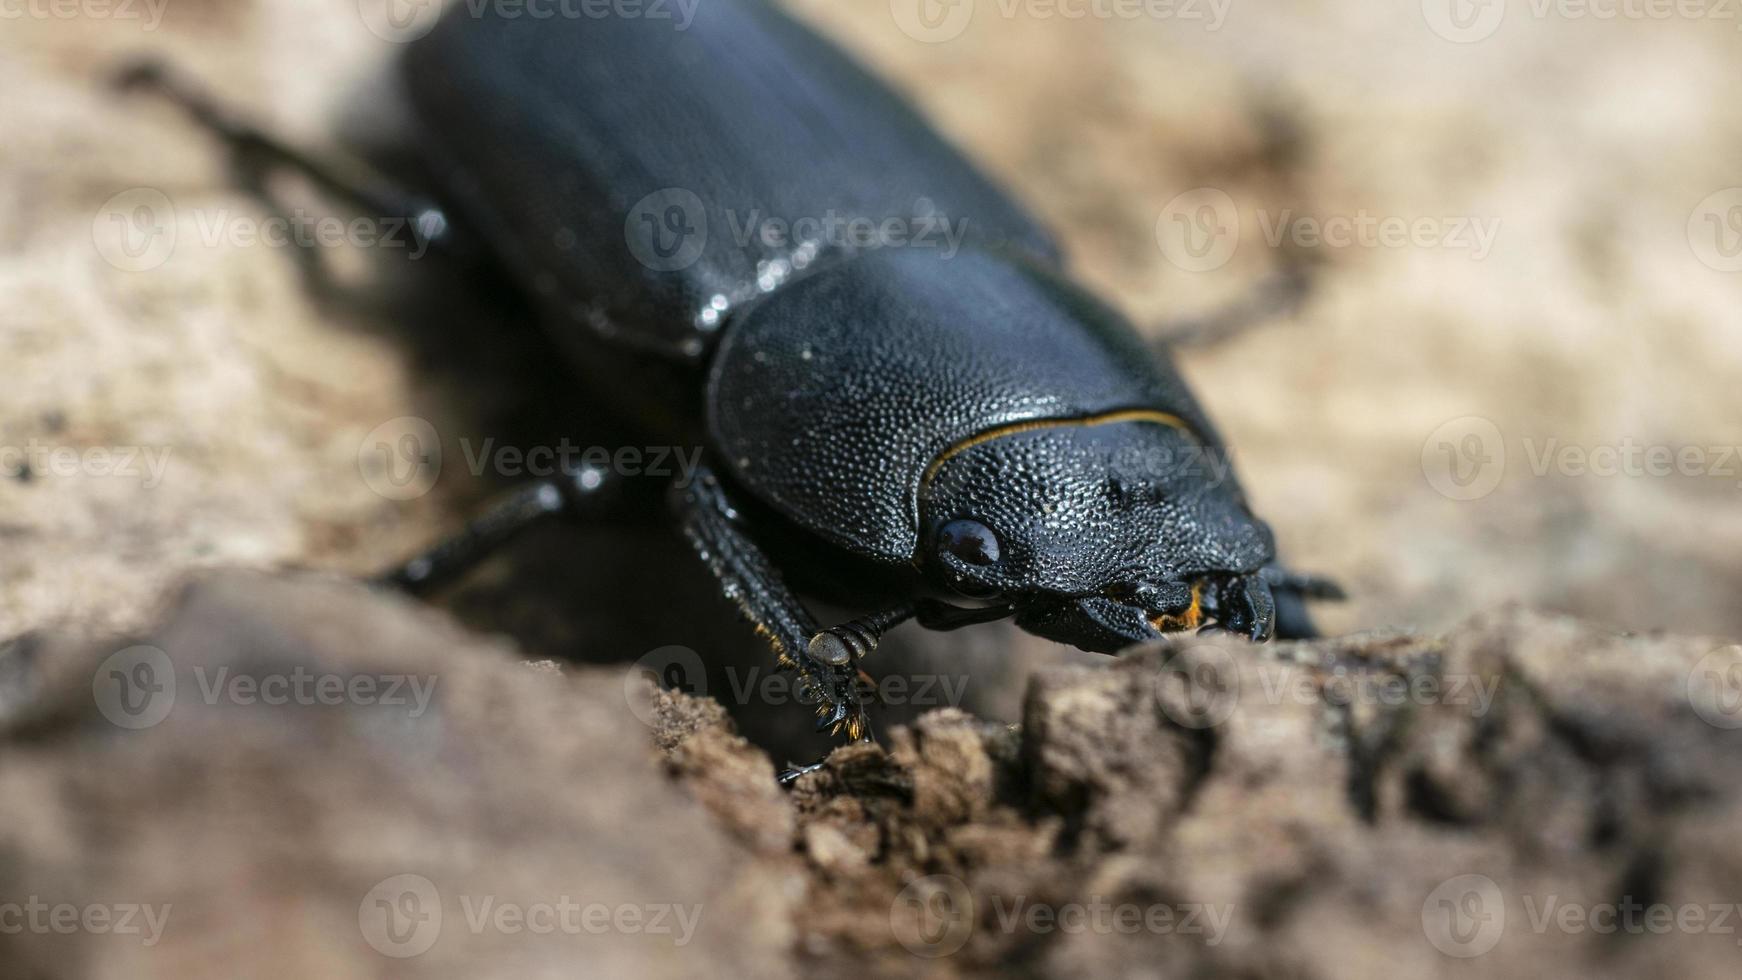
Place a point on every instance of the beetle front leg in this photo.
(746, 576)
(855, 639)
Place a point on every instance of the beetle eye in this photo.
(970, 541)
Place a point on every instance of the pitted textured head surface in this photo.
(1079, 508)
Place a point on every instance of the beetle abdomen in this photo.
(644, 175)
(832, 397)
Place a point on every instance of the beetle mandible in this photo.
(963, 434)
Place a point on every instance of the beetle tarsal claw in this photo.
(831, 720)
(1247, 607)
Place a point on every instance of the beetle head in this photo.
(1099, 532)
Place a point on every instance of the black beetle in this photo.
(918, 424)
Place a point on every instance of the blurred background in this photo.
(1514, 380)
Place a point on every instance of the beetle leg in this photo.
(257, 152)
(855, 639)
(791, 773)
(1306, 585)
(1280, 294)
(746, 576)
(934, 614)
(578, 493)
(1292, 590)
(1248, 608)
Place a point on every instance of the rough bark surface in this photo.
(1379, 805)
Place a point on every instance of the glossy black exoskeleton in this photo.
(707, 215)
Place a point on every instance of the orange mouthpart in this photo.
(1189, 619)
